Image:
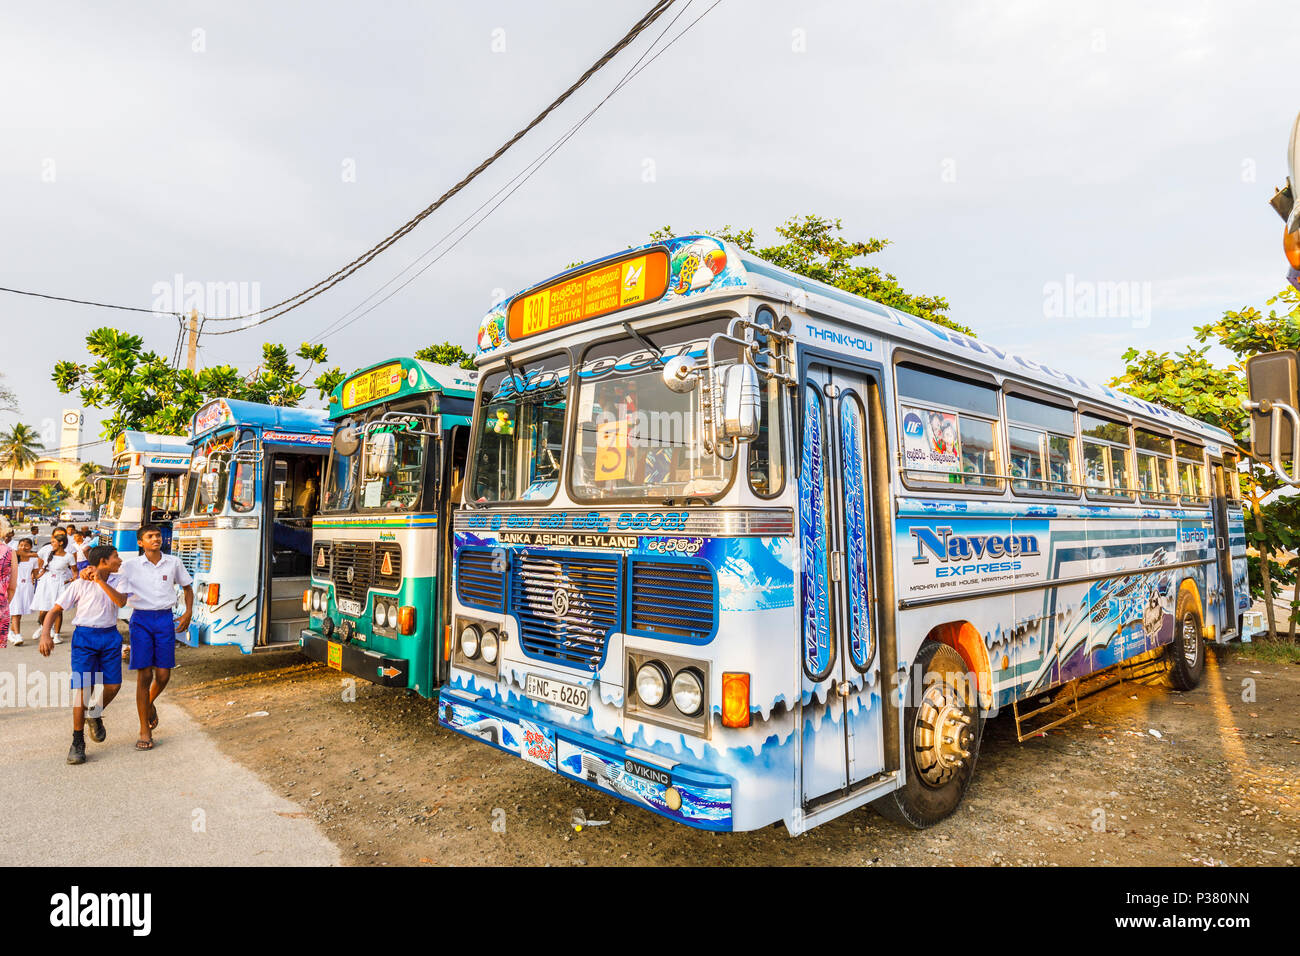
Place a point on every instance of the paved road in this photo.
(184, 803)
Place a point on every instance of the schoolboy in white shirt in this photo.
(153, 578)
(96, 645)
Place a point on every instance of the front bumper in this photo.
(698, 798)
(358, 661)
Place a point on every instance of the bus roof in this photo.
(702, 266)
(395, 378)
(131, 441)
(224, 412)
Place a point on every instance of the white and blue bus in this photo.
(245, 536)
(738, 547)
(146, 485)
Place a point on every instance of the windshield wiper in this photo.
(645, 342)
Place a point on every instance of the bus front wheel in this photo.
(941, 739)
(1186, 653)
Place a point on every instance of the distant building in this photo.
(62, 465)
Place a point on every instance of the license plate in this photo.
(568, 696)
(352, 608)
(334, 656)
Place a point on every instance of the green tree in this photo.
(85, 488)
(20, 447)
(144, 392)
(448, 353)
(814, 246)
(48, 499)
(1191, 382)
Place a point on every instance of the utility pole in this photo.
(193, 327)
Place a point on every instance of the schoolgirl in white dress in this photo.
(25, 564)
(59, 570)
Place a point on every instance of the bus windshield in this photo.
(206, 492)
(636, 438)
(521, 432)
(401, 488)
(341, 474)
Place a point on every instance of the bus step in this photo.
(286, 631)
(1069, 701)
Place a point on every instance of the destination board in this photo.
(372, 385)
(596, 292)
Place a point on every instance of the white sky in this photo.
(1002, 146)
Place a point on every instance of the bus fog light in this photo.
(469, 642)
(392, 615)
(490, 647)
(688, 692)
(327, 627)
(652, 683)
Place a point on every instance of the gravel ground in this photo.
(1152, 777)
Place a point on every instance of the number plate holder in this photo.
(558, 693)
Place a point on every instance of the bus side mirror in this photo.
(381, 454)
(199, 464)
(1273, 383)
(741, 405)
(346, 441)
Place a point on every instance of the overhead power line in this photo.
(511, 186)
(369, 255)
(101, 305)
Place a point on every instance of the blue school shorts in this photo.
(96, 656)
(153, 639)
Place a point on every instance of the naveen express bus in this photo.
(739, 547)
(245, 536)
(377, 602)
(146, 485)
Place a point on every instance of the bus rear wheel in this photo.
(941, 738)
(1186, 653)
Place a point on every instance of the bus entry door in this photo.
(841, 704)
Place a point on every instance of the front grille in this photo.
(671, 597)
(195, 554)
(359, 558)
(578, 637)
(105, 538)
(477, 585)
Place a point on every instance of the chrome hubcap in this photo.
(1191, 645)
(941, 738)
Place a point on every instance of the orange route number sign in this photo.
(598, 291)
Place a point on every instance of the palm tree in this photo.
(84, 488)
(49, 498)
(19, 448)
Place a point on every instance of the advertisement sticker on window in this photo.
(930, 440)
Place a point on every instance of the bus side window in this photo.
(947, 430)
(1155, 460)
(244, 492)
(1106, 450)
(1040, 447)
(1191, 472)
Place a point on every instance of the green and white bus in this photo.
(376, 605)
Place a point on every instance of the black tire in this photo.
(1186, 653)
(923, 800)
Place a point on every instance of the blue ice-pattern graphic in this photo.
(861, 646)
(812, 533)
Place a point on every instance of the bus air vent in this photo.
(671, 598)
(477, 585)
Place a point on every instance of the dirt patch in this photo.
(1219, 785)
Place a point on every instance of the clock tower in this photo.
(70, 438)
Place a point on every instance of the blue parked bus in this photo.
(738, 547)
(146, 485)
(245, 535)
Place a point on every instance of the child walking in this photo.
(58, 571)
(96, 645)
(25, 590)
(8, 579)
(153, 578)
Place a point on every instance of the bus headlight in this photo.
(317, 600)
(491, 646)
(380, 616)
(392, 615)
(469, 642)
(652, 683)
(688, 692)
